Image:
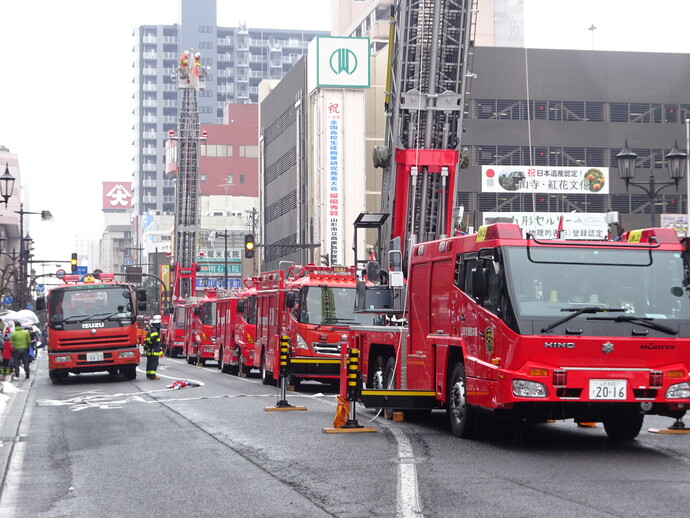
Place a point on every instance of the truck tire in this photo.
(224, 367)
(266, 375)
(623, 425)
(243, 369)
(389, 383)
(462, 417)
(57, 376)
(129, 372)
(375, 378)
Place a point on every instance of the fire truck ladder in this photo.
(187, 194)
(430, 55)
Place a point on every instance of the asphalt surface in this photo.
(95, 446)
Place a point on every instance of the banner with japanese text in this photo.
(556, 180)
(334, 178)
(544, 225)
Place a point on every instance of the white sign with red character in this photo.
(117, 196)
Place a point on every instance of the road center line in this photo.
(408, 504)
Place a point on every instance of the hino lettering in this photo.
(560, 345)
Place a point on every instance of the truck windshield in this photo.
(208, 316)
(549, 281)
(80, 305)
(327, 305)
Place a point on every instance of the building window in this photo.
(249, 151)
(205, 45)
(242, 178)
(228, 180)
(206, 29)
(202, 178)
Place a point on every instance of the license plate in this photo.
(607, 389)
(94, 357)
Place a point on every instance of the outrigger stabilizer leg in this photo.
(282, 404)
(351, 425)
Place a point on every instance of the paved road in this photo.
(96, 446)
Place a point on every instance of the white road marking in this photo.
(408, 504)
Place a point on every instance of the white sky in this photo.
(71, 135)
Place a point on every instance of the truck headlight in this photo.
(524, 388)
(678, 391)
(208, 349)
(301, 343)
(62, 359)
(126, 354)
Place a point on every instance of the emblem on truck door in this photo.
(489, 338)
(607, 348)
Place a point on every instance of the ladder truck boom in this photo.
(191, 79)
(430, 50)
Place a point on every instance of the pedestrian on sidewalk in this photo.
(21, 341)
(153, 349)
(6, 353)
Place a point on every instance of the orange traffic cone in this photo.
(342, 412)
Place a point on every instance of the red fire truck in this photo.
(174, 333)
(92, 326)
(200, 328)
(236, 330)
(313, 306)
(536, 330)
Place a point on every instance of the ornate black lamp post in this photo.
(675, 163)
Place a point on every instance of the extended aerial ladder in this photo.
(430, 50)
(191, 79)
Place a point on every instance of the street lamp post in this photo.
(6, 184)
(675, 162)
(25, 243)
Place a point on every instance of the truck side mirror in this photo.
(141, 295)
(240, 307)
(40, 303)
(290, 299)
(197, 310)
(141, 306)
(480, 282)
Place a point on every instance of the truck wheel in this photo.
(266, 375)
(190, 359)
(56, 376)
(243, 368)
(130, 372)
(389, 383)
(461, 416)
(219, 363)
(622, 426)
(224, 367)
(375, 379)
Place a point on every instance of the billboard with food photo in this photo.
(565, 180)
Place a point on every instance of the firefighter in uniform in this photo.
(152, 347)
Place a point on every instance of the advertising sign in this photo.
(117, 195)
(678, 222)
(334, 180)
(338, 62)
(213, 282)
(216, 255)
(549, 180)
(544, 225)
